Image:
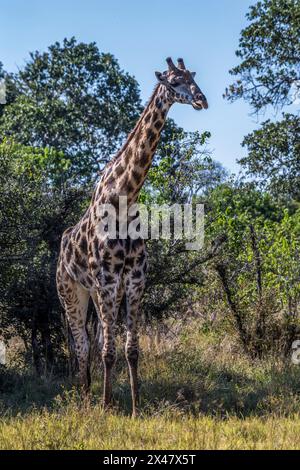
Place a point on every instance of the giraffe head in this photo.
(180, 82)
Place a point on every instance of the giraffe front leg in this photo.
(132, 356)
(105, 303)
(107, 313)
(82, 353)
(134, 291)
(109, 359)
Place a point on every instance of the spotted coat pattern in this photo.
(91, 264)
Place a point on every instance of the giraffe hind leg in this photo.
(75, 300)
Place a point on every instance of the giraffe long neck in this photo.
(126, 174)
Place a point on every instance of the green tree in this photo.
(183, 172)
(10, 89)
(269, 51)
(269, 75)
(35, 207)
(258, 267)
(273, 156)
(74, 99)
(183, 169)
(72, 108)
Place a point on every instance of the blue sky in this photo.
(141, 34)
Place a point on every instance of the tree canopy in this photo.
(273, 156)
(268, 75)
(269, 53)
(75, 99)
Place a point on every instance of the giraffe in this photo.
(92, 264)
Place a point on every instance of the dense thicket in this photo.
(259, 272)
(70, 109)
(67, 112)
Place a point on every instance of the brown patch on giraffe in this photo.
(109, 304)
(105, 265)
(80, 260)
(136, 274)
(102, 199)
(158, 103)
(129, 262)
(150, 135)
(158, 125)
(83, 244)
(118, 268)
(112, 243)
(91, 231)
(94, 266)
(120, 254)
(69, 252)
(109, 279)
(77, 238)
(147, 117)
(129, 188)
(144, 158)
(96, 248)
(119, 170)
(141, 258)
(128, 155)
(89, 280)
(137, 243)
(136, 176)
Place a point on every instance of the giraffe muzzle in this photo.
(199, 105)
(200, 102)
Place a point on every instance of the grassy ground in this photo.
(197, 393)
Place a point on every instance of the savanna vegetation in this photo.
(217, 326)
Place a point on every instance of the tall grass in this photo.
(198, 392)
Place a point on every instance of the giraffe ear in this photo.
(193, 74)
(160, 77)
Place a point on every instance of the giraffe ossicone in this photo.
(92, 263)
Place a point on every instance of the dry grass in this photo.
(200, 393)
(74, 428)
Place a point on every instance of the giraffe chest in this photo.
(115, 256)
(91, 259)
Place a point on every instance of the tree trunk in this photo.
(237, 314)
